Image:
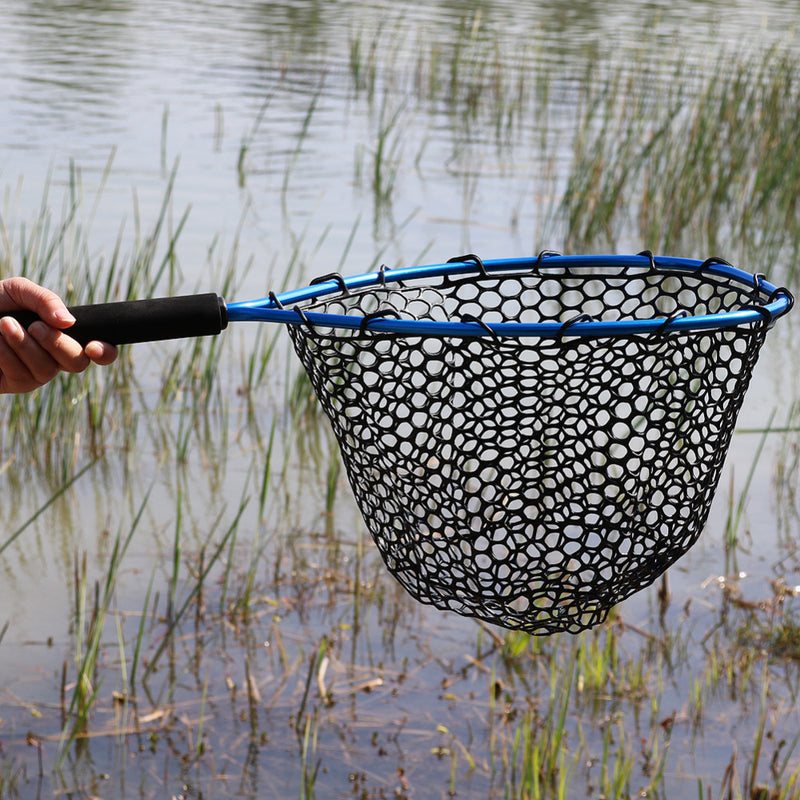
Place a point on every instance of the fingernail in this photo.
(14, 328)
(37, 329)
(64, 316)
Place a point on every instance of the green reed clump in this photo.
(11, 778)
(680, 157)
(476, 82)
(89, 632)
(744, 775)
(665, 153)
(54, 429)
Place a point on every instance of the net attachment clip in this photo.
(336, 277)
(375, 315)
(775, 294)
(472, 319)
(474, 259)
(383, 270)
(564, 329)
(275, 300)
(543, 254)
(305, 320)
(782, 291)
(648, 254)
(711, 261)
(664, 329)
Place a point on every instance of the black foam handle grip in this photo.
(143, 320)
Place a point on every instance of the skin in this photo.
(29, 359)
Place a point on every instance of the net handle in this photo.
(131, 321)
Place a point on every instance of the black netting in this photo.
(534, 483)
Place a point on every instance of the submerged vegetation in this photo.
(230, 629)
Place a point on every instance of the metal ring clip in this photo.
(543, 254)
(273, 298)
(471, 318)
(372, 316)
(470, 257)
(566, 325)
(332, 276)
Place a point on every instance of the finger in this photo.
(24, 364)
(16, 293)
(64, 350)
(14, 375)
(101, 353)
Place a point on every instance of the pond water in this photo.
(159, 83)
(299, 138)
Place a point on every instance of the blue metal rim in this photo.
(280, 308)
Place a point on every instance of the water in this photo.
(253, 104)
(156, 82)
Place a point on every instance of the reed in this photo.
(681, 166)
(89, 635)
(663, 154)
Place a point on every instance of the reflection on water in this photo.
(82, 78)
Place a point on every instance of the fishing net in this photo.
(535, 481)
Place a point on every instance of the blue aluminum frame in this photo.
(280, 308)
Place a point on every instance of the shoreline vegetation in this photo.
(229, 628)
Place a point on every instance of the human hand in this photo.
(30, 358)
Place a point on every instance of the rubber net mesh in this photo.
(533, 483)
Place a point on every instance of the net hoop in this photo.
(769, 302)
